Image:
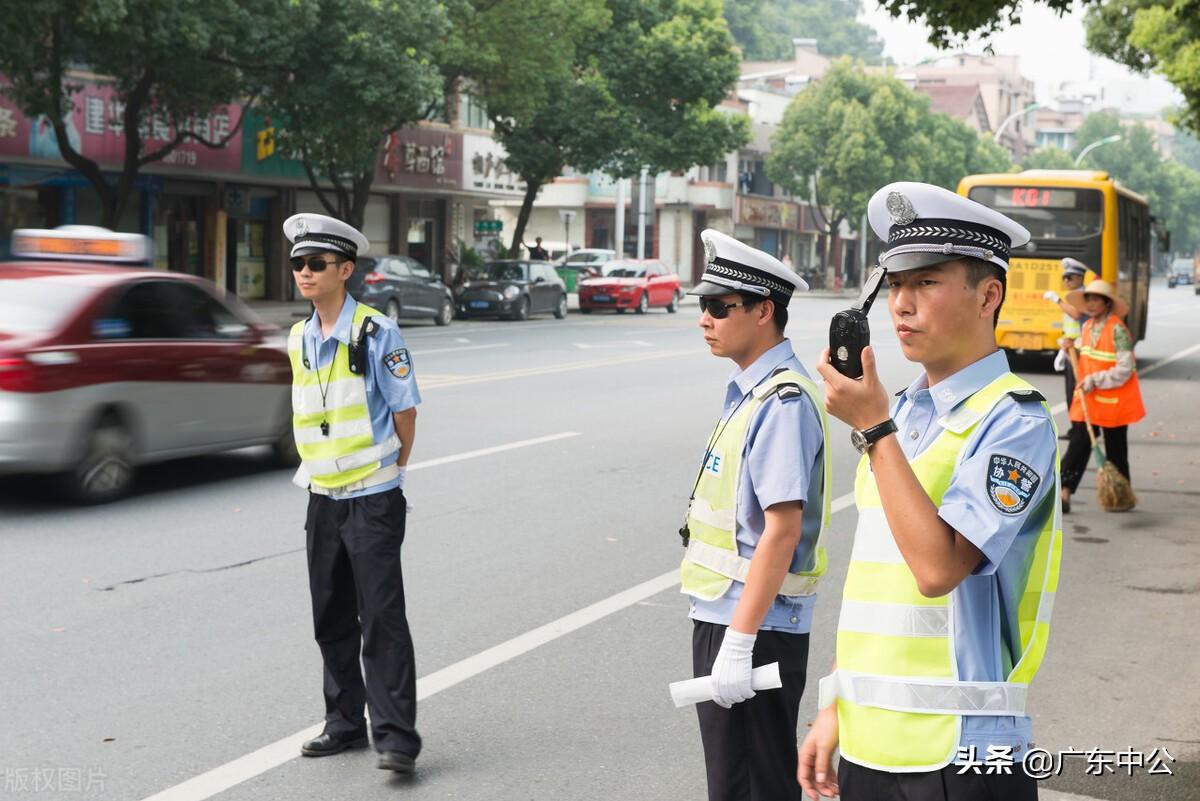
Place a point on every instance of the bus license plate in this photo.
(1024, 341)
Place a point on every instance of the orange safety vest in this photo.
(1107, 408)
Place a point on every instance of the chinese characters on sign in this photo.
(422, 158)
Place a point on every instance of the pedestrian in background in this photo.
(759, 505)
(1107, 383)
(354, 399)
(946, 607)
(537, 252)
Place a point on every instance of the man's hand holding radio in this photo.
(858, 402)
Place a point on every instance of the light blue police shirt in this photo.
(386, 393)
(986, 636)
(784, 450)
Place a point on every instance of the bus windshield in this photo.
(1048, 212)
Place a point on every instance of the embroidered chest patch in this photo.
(1011, 484)
(398, 363)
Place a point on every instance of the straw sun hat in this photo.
(1102, 288)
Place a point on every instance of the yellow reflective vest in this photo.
(900, 698)
(344, 456)
(711, 562)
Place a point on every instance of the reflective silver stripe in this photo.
(349, 428)
(1046, 607)
(703, 512)
(737, 567)
(894, 620)
(306, 399)
(380, 476)
(324, 467)
(925, 696)
(873, 540)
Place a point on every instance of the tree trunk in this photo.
(532, 185)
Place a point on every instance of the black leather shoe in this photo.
(328, 743)
(394, 760)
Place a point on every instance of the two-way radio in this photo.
(849, 332)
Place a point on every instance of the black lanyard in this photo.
(324, 390)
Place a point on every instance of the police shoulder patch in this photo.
(1011, 484)
(398, 363)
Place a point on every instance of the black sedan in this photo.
(401, 287)
(513, 289)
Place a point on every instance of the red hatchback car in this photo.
(106, 367)
(631, 284)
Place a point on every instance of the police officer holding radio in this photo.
(758, 507)
(354, 399)
(946, 607)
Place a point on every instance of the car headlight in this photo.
(625, 290)
(511, 292)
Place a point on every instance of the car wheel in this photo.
(673, 306)
(392, 310)
(560, 311)
(643, 303)
(522, 311)
(105, 471)
(445, 314)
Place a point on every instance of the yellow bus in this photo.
(1083, 214)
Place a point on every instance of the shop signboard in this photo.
(422, 158)
(485, 167)
(95, 129)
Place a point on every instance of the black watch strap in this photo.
(876, 433)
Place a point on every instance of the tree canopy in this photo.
(764, 29)
(851, 133)
(167, 60)
(950, 21)
(643, 92)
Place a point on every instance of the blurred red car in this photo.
(631, 284)
(106, 367)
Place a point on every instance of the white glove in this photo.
(1088, 383)
(403, 475)
(1051, 295)
(1060, 361)
(731, 669)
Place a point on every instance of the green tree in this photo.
(1049, 158)
(843, 138)
(643, 92)
(764, 29)
(950, 21)
(350, 73)
(167, 60)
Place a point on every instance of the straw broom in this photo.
(1113, 491)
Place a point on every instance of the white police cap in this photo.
(316, 233)
(733, 266)
(925, 225)
(1074, 267)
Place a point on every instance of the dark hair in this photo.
(780, 314)
(980, 270)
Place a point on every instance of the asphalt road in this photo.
(162, 646)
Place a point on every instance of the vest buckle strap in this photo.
(359, 458)
(380, 476)
(925, 695)
(733, 565)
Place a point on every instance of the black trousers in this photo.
(358, 609)
(750, 749)
(1069, 382)
(1079, 450)
(866, 784)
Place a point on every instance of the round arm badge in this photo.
(398, 363)
(1011, 484)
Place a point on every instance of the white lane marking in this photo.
(1059, 408)
(460, 457)
(463, 340)
(459, 349)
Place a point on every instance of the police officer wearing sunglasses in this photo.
(752, 536)
(354, 399)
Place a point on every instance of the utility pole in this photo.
(641, 212)
(619, 233)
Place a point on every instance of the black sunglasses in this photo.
(315, 263)
(717, 309)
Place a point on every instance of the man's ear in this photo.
(763, 307)
(993, 296)
(346, 269)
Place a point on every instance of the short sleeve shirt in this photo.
(783, 461)
(390, 377)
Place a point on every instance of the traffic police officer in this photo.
(1073, 272)
(759, 505)
(946, 607)
(354, 399)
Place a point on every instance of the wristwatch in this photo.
(863, 440)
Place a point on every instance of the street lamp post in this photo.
(1105, 141)
(1013, 116)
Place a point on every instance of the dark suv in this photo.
(401, 287)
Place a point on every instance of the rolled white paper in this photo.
(693, 691)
